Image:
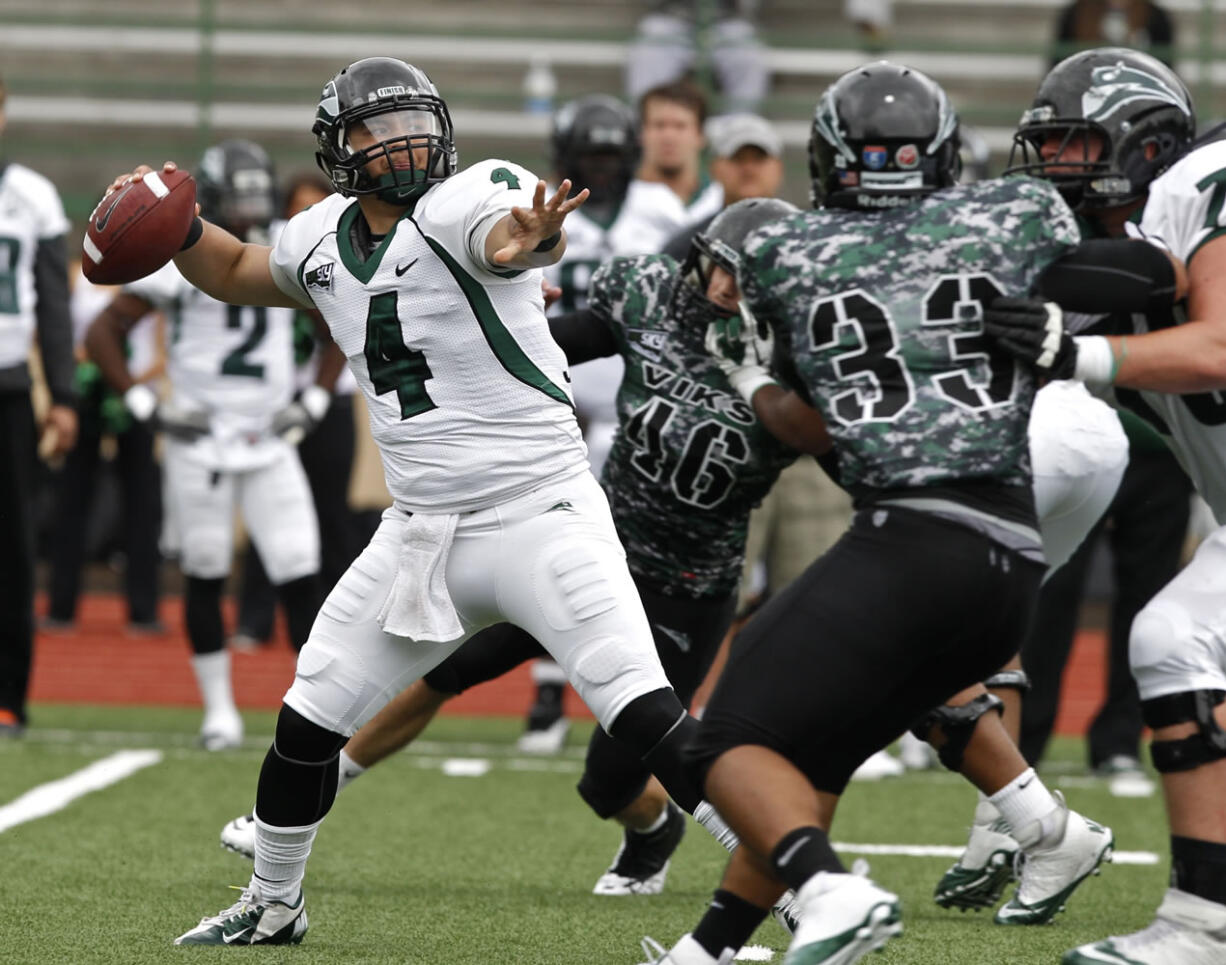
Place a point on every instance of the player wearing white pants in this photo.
(548, 561)
(427, 281)
(274, 500)
(1078, 453)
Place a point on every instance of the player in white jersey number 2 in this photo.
(428, 282)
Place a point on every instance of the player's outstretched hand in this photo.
(1032, 331)
(533, 226)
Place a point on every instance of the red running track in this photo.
(100, 662)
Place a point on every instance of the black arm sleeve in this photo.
(583, 335)
(54, 322)
(1110, 275)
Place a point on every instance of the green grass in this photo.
(415, 866)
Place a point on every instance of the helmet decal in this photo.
(1115, 86)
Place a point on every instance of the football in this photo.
(134, 231)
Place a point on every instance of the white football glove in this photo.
(297, 419)
(742, 348)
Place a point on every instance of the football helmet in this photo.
(382, 109)
(236, 187)
(720, 243)
(1128, 102)
(595, 144)
(882, 135)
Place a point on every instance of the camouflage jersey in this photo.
(689, 460)
(881, 315)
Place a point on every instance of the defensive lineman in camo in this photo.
(426, 280)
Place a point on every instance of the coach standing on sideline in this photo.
(33, 294)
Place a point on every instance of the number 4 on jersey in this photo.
(392, 365)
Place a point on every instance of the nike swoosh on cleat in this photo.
(231, 939)
(401, 269)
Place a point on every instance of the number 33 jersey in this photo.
(468, 393)
(881, 314)
(1185, 210)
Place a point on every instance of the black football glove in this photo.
(1032, 330)
(186, 425)
(300, 417)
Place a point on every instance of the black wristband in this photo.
(193, 234)
(549, 243)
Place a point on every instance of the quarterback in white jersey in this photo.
(1108, 123)
(426, 279)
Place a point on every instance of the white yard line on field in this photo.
(54, 796)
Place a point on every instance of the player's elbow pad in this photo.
(1111, 275)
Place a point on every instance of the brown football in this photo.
(137, 229)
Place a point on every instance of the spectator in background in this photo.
(326, 452)
(872, 19)
(1145, 527)
(665, 50)
(746, 161)
(671, 187)
(1117, 23)
(33, 299)
(100, 411)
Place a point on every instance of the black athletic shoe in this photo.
(641, 863)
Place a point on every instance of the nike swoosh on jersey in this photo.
(401, 269)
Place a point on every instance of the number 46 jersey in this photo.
(881, 313)
(1185, 210)
(468, 393)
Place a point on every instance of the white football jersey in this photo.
(234, 362)
(468, 393)
(1187, 208)
(661, 214)
(30, 212)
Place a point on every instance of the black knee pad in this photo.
(1017, 680)
(656, 727)
(1203, 747)
(202, 614)
(957, 724)
(298, 778)
(613, 775)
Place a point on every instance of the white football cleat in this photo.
(882, 764)
(252, 920)
(916, 755)
(1049, 875)
(547, 740)
(686, 952)
(978, 877)
(1188, 930)
(221, 731)
(843, 917)
(239, 835)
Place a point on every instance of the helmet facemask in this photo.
(705, 255)
(382, 130)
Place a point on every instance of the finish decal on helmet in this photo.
(1115, 86)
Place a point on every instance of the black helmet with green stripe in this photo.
(380, 109)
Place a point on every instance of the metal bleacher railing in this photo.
(94, 88)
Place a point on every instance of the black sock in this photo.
(803, 853)
(728, 923)
(1199, 868)
(202, 614)
(548, 706)
(301, 599)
